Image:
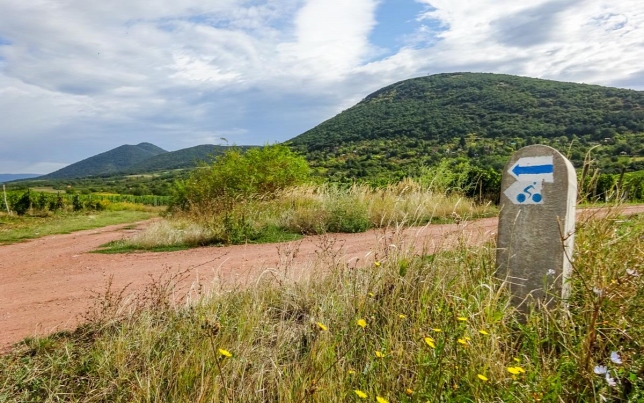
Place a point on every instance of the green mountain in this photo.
(180, 159)
(142, 158)
(109, 162)
(479, 117)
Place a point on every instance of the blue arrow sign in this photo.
(540, 169)
(519, 170)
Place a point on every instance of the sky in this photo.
(81, 77)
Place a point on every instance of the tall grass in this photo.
(329, 208)
(414, 327)
(320, 209)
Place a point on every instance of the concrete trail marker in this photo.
(536, 225)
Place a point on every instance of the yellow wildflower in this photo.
(482, 377)
(381, 399)
(483, 332)
(402, 316)
(379, 354)
(516, 370)
(371, 294)
(462, 341)
(360, 394)
(321, 326)
(225, 353)
(430, 342)
(376, 263)
(462, 319)
(437, 330)
(362, 323)
(351, 372)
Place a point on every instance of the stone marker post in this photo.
(536, 225)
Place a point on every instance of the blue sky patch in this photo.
(397, 24)
(208, 19)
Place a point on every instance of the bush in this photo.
(23, 204)
(235, 175)
(348, 215)
(218, 194)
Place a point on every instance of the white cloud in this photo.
(594, 41)
(181, 72)
(331, 38)
(27, 110)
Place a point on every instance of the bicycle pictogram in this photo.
(529, 192)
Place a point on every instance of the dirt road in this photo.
(46, 284)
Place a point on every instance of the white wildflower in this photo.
(615, 358)
(600, 370)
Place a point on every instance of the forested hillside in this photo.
(479, 117)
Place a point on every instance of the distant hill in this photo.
(14, 177)
(109, 162)
(479, 117)
(138, 159)
(180, 159)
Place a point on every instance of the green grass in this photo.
(18, 228)
(122, 246)
(435, 328)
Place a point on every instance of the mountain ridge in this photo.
(137, 159)
(108, 162)
(401, 128)
(482, 117)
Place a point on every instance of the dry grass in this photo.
(170, 232)
(313, 210)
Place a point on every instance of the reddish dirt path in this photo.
(46, 284)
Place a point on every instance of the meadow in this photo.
(411, 327)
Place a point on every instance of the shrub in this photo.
(218, 194)
(23, 204)
(348, 215)
(235, 175)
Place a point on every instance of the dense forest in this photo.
(481, 118)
